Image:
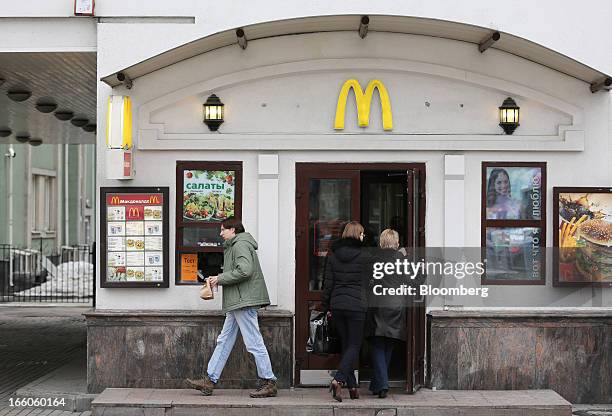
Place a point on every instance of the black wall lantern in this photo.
(213, 112)
(509, 115)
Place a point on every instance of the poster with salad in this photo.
(208, 195)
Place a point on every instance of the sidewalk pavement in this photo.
(42, 354)
(35, 341)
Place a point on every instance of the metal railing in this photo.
(58, 276)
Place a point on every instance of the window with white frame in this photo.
(43, 201)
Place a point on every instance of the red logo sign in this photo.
(134, 199)
(135, 212)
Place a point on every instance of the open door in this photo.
(326, 199)
(379, 196)
(415, 369)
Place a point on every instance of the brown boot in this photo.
(267, 388)
(205, 385)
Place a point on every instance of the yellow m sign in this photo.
(364, 102)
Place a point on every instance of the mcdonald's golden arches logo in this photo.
(115, 200)
(134, 212)
(364, 102)
(154, 199)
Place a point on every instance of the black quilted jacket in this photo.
(346, 277)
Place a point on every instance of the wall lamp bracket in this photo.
(487, 42)
(601, 85)
(125, 80)
(363, 26)
(242, 39)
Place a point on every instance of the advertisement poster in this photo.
(189, 267)
(208, 195)
(514, 193)
(132, 254)
(584, 236)
(514, 253)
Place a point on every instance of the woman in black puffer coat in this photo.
(345, 296)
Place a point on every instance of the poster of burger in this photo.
(583, 234)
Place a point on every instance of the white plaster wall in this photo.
(557, 25)
(123, 44)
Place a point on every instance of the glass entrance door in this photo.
(326, 200)
(327, 197)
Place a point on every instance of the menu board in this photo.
(134, 230)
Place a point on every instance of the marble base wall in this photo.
(570, 353)
(159, 349)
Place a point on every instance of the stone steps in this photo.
(318, 402)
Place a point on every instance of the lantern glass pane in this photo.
(516, 115)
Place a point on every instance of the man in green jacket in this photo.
(244, 291)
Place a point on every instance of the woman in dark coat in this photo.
(344, 296)
(386, 317)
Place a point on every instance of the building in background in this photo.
(53, 200)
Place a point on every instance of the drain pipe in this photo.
(66, 189)
(10, 155)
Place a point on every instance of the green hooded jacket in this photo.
(242, 279)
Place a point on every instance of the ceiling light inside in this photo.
(46, 106)
(19, 95)
(23, 137)
(64, 115)
(79, 122)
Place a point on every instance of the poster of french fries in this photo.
(584, 235)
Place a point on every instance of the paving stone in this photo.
(430, 412)
(130, 411)
(303, 411)
(351, 411)
(548, 412)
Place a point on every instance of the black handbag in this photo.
(322, 336)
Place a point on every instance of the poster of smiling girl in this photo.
(513, 193)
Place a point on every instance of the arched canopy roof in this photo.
(378, 23)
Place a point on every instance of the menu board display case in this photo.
(134, 231)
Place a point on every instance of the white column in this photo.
(454, 213)
(454, 201)
(267, 221)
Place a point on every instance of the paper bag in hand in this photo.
(206, 292)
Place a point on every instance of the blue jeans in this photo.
(382, 349)
(245, 321)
